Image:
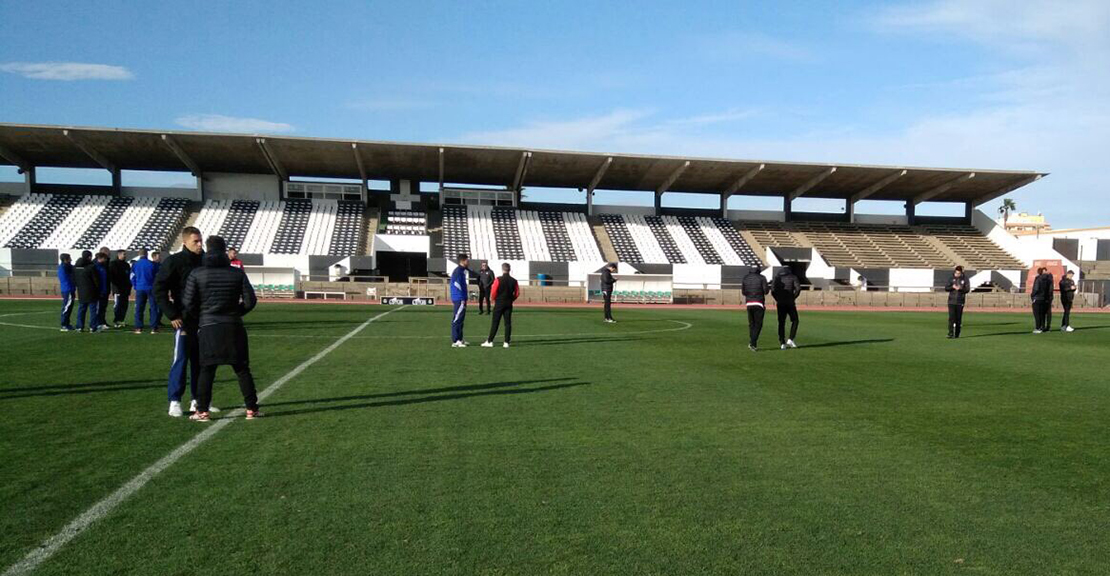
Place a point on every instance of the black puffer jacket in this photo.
(87, 279)
(957, 289)
(1067, 290)
(787, 287)
(169, 284)
(754, 287)
(217, 293)
(119, 274)
(1042, 288)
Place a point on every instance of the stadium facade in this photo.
(257, 191)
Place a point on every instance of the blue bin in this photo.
(543, 279)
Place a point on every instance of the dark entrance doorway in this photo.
(400, 266)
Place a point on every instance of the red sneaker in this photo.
(252, 414)
(199, 417)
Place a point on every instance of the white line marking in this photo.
(58, 328)
(683, 326)
(50, 546)
(25, 313)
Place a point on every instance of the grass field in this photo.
(659, 445)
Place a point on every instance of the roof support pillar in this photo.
(787, 213)
(96, 157)
(593, 184)
(736, 186)
(850, 210)
(667, 184)
(911, 213)
(521, 174)
(14, 158)
(441, 169)
(361, 170)
(930, 194)
(272, 160)
(181, 155)
(811, 183)
(969, 211)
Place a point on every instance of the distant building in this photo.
(1024, 224)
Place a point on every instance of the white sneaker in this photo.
(454, 344)
(213, 409)
(782, 347)
(175, 409)
(1038, 332)
(1069, 329)
(505, 345)
(193, 407)
(487, 344)
(460, 344)
(791, 344)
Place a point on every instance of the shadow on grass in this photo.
(453, 393)
(846, 343)
(1013, 333)
(79, 388)
(576, 340)
(1091, 328)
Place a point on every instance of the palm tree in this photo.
(1007, 206)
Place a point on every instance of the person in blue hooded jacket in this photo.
(142, 279)
(460, 278)
(68, 288)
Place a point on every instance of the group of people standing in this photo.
(1042, 296)
(203, 293)
(502, 291)
(785, 289)
(92, 280)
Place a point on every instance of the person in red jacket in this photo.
(233, 255)
(505, 291)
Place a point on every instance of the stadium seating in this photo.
(44, 221)
(734, 250)
(162, 226)
(408, 222)
(306, 227)
(677, 240)
(499, 233)
(80, 219)
(977, 250)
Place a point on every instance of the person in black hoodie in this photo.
(607, 282)
(1041, 295)
(119, 274)
(485, 284)
(88, 290)
(100, 262)
(958, 286)
(216, 298)
(169, 289)
(754, 288)
(786, 289)
(1067, 296)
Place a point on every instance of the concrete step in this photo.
(603, 240)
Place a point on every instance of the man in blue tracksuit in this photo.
(460, 278)
(142, 279)
(68, 289)
(169, 290)
(105, 289)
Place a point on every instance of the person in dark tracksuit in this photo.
(216, 297)
(169, 289)
(1067, 296)
(68, 287)
(505, 291)
(119, 274)
(88, 291)
(786, 289)
(958, 286)
(142, 279)
(105, 287)
(1041, 295)
(460, 293)
(754, 288)
(485, 285)
(607, 282)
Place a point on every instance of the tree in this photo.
(1007, 206)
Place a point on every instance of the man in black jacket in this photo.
(754, 288)
(607, 282)
(88, 290)
(215, 299)
(1067, 296)
(169, 289)
(119, 274)
(1041, 296)
(958, 286)
(786, 289)
(485, 284)
(505, 291)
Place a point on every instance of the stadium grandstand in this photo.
(258, 192)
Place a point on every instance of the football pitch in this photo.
(658, 445)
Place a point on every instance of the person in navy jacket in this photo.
(460, 278)
(88, 291)
(105, 289)
(142, 279)
(68, 289)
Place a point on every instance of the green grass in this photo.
(879, 447)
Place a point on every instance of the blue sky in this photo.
(972, 83)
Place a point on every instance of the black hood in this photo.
(216, 260)
(81, 262)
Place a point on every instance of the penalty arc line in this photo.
(50, 546)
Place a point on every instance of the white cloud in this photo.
(67, 71)
(220, 123)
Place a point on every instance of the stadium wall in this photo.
(260, 187)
